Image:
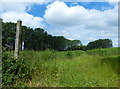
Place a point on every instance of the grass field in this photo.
(92, 68)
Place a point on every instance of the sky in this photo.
(85, 20)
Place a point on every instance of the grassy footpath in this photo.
(94, 68)
(92, 71)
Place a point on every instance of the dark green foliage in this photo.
(8, 35)
(27, 37)
(36, 39)
(101, 43)
(14, 70)
(73, 44)
(81, 47)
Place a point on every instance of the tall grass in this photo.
(83, 71)
(92, 68)
(104, 51)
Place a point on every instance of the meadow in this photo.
(91, 68)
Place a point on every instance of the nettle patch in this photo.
(14, 70)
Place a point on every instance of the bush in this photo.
(14, 70)
(101, 43)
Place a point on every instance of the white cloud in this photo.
(15, 6)
(60, 14)
(113, 1)
(80, 23)
(33, 1)
(61, 0)
(19, 5)
(27, 19)
(80, 33)
(12, 10)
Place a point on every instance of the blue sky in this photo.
(85, 21)
(39, 10)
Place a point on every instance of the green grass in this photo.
(93, 68)
(83, 71)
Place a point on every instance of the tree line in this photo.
(35, 39)
(38, 39)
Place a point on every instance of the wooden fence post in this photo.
(17, 41)
(1, 53)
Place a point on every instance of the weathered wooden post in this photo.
(1, 35)
(17, 41)
(1, 53)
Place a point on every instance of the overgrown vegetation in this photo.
(54, 61)
(14, 70)
(93, 68)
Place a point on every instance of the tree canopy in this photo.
(39, 39)
(101, 43)
(35, 39)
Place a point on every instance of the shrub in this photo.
(101, 43)
(14, 70)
